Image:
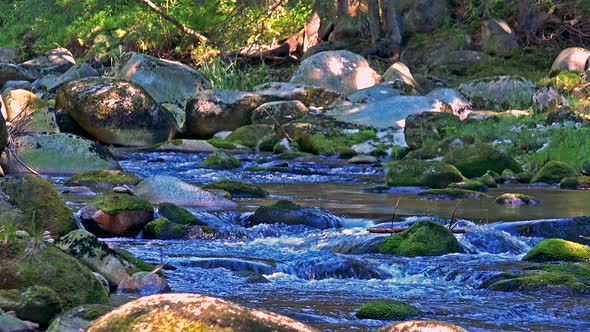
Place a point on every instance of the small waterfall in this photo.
(232, 264)
(485, 239)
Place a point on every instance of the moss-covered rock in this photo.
(427, 126)
(116, 215)
(33, 205)
(97, 256)
(102, 179)
(558, 250)
(488, 180)
(554, 171)
(452, 194)
(516, 199)
(164, 229)
(287, 212)
(238, 188)
(470, 185)
(476, 159)
(183, 146)
(424, 238)
(421, 326)
(504, 92)
(221, 160)
(575, 182)
(222, 144)
(251, 135)
(78, 318)
(37, 304)
(524, 177)
(549, 281)
(566, 81)
(48, 267)
(191, 312)
(414, 172)
(387, 310)
(178, 215)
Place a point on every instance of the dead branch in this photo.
(175, 22)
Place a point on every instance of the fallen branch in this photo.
(175, 22)
(584, 237)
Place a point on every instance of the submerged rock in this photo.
(424, 238)
(387, 310)
(161, 188)
(58, 154)
(31, 203)
(516, 199)
(422, 326)
(341, 71)
(289, 213)
(192, 312)
(449, 194)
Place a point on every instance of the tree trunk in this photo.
(374, 20)
(391, 22)
(342, 9)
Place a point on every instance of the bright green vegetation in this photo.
(238, 188)
(252, 136)
(93, 178)
(221, 160)
(558, 250)
(567, 81)
(335, 141)
(475, 160)
(178, 215)
(31, 203)
(117, 203)
(575, 182)
(415, 172)
(387, 310)
(222, 144)
(424, 238)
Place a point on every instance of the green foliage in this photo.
(335, 141)
(387, 310)
(566, 81)
(575, 182)
(229, 76)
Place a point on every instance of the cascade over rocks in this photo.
(116, 111)
(193, 312)
(386, 113)
(58, 153)
(290, 213)
(341, 71)
(165, 81)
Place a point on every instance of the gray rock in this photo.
(390, 112)
(548, 99)
(341, 71)
(402, 78)
(76, 72)
(573, 58)
(77, 319)
(12, 72)
(568, 229)
(506, 92)
(160, 189)
(116, 111)
(9, 323)
(14, 85)
(456, 61)
(166, 81)
(421, 326)
(454, 98)
(279, 111)
(497, 37)
(144, 283)
(213, 111)
(309, 95)
(42, 121)
(8, 54)
(56, 61)
(375, 93)
(58, 153)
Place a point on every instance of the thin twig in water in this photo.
(394, 211)
(278, 124)
(453, 224)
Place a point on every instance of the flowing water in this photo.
(322, 276)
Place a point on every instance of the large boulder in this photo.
(213, 111)
(58, 153)
(573, 58)
(453, 98)
(32, 204)
(309, 95)
(97, 256)
(505, 92)
(12, 72)
(56, 61)
(161, 188)
(423, 238)
(341, 71)
(401, 76)
(428, 126)
(554, 171)
(386, 113)
(76, 72)
(476, 159)
(115, 215)
(421, 326)
(21, 102)
(166, 81)
(420, 173)
(78, 318)
(191, 312)
(376, 92)
(286, 212)
(558, 250)
(61, 276)
(116, 111)
(164, 229)
(279, 111)
(497, 37)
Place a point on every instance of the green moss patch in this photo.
(116, 203)
(415, 172)
(178, 215)
(575, 182)
(558, 250)
(222, 144)
(164, 229)
(335, 141)
(452, 194)
(424, 238)
(554, 171)
(475, 160)
(100, 177)
(252, 135)
(567, 80)
(238, 188)
(387, 310)
(221, 160)
(470, 185)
